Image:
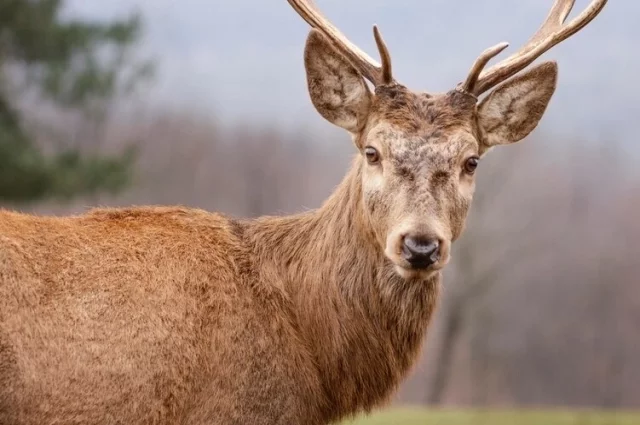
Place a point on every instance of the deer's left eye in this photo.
(372, 155)
(471, 164)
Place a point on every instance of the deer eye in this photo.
(373, 157)
(471, 164)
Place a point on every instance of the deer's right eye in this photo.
(372, 155)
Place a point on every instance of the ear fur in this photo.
(514, 109)
(338, 91)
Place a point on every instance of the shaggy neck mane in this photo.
(363, 324)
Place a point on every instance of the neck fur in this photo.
(363, 323)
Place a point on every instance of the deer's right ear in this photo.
(338, 91)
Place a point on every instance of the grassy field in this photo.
(407, 416)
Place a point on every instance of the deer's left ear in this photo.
(514, 109)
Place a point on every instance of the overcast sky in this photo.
(243, 58)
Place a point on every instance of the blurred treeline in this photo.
(74, 69)
(541, 303)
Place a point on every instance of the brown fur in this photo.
(162, 315)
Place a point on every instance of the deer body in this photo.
(178, 316)
(173, 315)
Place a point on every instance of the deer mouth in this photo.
(409, 271)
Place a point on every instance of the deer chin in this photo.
(416, 274)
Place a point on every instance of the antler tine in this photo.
(480, 63)
(370, 69)
(385, 56)
(551, 32)
(556, 17)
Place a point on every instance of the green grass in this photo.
(417, 416)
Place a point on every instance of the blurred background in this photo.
(204, 103)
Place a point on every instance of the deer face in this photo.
(419, 152)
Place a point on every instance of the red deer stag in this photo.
(167, 315)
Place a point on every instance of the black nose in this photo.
(420, 252)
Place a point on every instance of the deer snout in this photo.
(420, 251)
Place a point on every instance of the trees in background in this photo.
(73, 67)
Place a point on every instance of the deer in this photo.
(176, 315)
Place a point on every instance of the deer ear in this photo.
(338, 91)
(514, 109)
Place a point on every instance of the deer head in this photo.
(419, 151)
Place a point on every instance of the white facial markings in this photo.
(379, 137)
(373, 179)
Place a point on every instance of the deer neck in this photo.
(362, 322)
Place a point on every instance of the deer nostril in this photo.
(420, 252)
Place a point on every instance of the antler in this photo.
(370, 69)
(552, 32)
